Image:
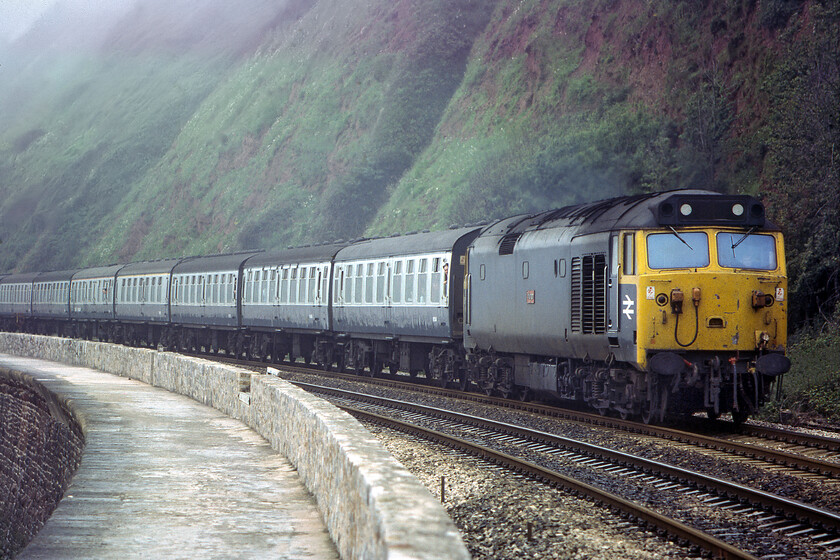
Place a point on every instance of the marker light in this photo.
(685, 209)
(738, 209)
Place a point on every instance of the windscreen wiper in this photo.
(680, 238)
(752, 229)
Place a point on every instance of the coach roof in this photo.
(310, 254)
(412, 244)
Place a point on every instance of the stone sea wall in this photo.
(373, 507)
(40, 449)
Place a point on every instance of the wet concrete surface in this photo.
(164, 476)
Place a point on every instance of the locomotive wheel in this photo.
(739, 416)
(327, 359)
(505, 390)
(393, 368)
(654, 409)
(464, 381)
(378, 366)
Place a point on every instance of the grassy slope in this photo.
(319, 121)
(412, 114)
(567, 101)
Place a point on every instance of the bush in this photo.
(812, 387)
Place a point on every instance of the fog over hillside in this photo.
(141, 129)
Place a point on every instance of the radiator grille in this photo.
(589, 294)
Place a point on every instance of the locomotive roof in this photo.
(224, 262)
(317, 253)
(644, 211)
(425, 242)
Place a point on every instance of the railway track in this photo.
(775, 513)
(805, 454)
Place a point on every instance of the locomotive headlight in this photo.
(686, 209)
(738, 209)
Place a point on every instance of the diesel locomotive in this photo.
(644, 306)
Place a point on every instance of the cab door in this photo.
(613, 300)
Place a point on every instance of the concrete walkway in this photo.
(163, 476)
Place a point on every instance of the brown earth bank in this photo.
(40, 448)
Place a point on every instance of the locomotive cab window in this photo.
(629, 254)
(678, 250)
(749, 251)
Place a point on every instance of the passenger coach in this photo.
(398, 302)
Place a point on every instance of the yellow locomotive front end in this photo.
(712, 306)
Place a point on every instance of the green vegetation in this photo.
(811, 390)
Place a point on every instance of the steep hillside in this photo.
(193, 126)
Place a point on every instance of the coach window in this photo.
(380, 282)
(347, 283)
(336, 287)
(409, 281)
(249, 287)
(301, 295)
(266, 286)
(396, 284)
(434, 294)
(369, 284)
(293, 285)
(283, 286)
(272, 286)
(357, 288)
(262, 287)
(313, 284)
(423, 281)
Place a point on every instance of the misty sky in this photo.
(17, 15)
